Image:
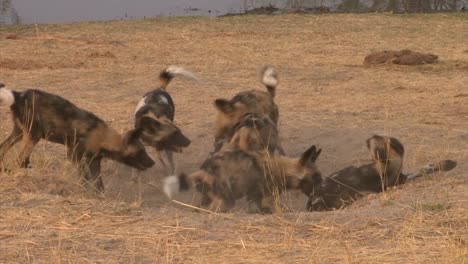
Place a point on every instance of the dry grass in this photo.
(326, 97)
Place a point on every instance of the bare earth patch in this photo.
(326, 97)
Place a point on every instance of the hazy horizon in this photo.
(40, 11)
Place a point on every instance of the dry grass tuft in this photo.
(326, 97)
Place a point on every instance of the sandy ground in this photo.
(326, 97)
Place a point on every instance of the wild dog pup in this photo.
(345, 186)
(40, 115)
(154, 115)
(261, 103)
(232, 174)
(254, 133)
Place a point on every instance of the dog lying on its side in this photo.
(345, 186)
(154, 115)
(40, 115)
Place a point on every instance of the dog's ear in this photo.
(224, 106)
(396, 145)
(380, 153)
(132, 135)
(310, 155)
(149, 124)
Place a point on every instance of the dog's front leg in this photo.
(170, 159)
(280, 148)
(91, 172)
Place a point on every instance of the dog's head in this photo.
(229, 114)
(133, 152)
(385, 149)
(255, 133)
(162, 131)
(311, 175)
(302, 173)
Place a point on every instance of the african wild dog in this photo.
(40, 115)
(154, 114)
(254, 133)
(344, 186)
(231, 112)
(231, 174)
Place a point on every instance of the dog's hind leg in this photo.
(29, 142)
(14, 137)
(254, 200)
(221, 205)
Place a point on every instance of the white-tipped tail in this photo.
(269, 76)
(140, 104)
(6, 96)
(171, 186)
(175, 70)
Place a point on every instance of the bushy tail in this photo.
(270, 79)
(445, 165)
(6, 96)
(174, 184)
(170, 72)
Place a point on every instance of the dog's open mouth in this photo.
(177, 149)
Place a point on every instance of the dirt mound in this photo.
(402, 57)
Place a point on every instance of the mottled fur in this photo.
(154, 115)
(345, 186)
(232, 174)
(40, 115)
(261, 103)
(254, 134)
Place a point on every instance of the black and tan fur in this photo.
(40, 115)
(254, 133)
(154, 115)
(232, 174)
(260, 103)
(345, 186)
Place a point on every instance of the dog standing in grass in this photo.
(154, 115)
(345, 186)
(260, 103)
(40, 115)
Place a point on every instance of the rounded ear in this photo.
(133, 135)
(224, 106)
(314, 156)
(310, 155)
(149, 124)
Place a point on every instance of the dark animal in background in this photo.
(40, 115)
(402, 57)
(345, 186)
(261, 103)
(231, 174)
(154, 115)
